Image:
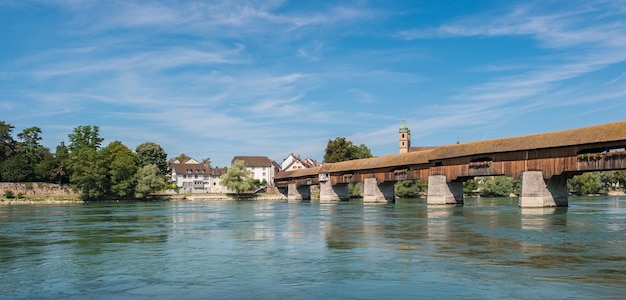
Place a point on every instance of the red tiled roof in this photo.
(254, 161)
(198, 169)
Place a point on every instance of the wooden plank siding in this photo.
(550, 167)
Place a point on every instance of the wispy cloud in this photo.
(274, 77)
(580, 44)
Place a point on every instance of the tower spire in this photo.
(404, 137)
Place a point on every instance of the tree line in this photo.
(111, 172)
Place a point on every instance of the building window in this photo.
(184, 176)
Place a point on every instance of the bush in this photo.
(499, 186)
(410, 188)
(20, 195)
(586, 184)
(9, 194)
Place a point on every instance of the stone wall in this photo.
(36, 188)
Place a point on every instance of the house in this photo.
(293, 162)
(193, 177)
(261, 167)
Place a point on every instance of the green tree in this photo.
(148, 181)
(410, 188)
(152, 154)
(620, 177)
(85, 136)
(7, 146)
(40, 160)
(89, 173)
(13, 169)
(586, 184)
(88, 167)
(238, 178)
(360, 151)
(7, 143)
(341, 149)
(499, 186)
(206, 161)
(355, 189)
(61, 156)
(122, 166)
(182, 157)
(30, 140)
(470, 186)
(44, 170)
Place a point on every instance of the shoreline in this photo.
(171, 198)
(154, 198)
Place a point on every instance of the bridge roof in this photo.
(307, 172)
(380, 162)
(586, 135)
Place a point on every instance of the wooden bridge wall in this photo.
(552, 162)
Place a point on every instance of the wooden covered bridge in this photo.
(543, 163)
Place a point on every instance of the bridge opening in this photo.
(482, 159)
(482, 162)
(603, 150)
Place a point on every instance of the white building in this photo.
(193, 177)
(293, 162)
(262, 168)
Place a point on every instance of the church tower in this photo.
(404, 138)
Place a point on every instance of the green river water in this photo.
(487, 249)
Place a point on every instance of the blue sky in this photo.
(223, 78)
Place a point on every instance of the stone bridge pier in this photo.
(298, 193)
(333, 193)
(442, 192)
(536, 191)
(373, 192)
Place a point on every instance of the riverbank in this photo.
(42, 200)
(72, 199)
(233, 197)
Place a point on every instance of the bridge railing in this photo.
(602, 161)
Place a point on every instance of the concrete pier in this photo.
(442, 192)
(298, 193)
(333, 193)
(378, 193)
(536, 191)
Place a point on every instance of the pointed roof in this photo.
(403, 126)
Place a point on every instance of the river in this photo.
(487, 249)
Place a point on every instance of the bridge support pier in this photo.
(298, 193)
(536, 191)
(442, 192)
(333, 193)
(378, 193)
